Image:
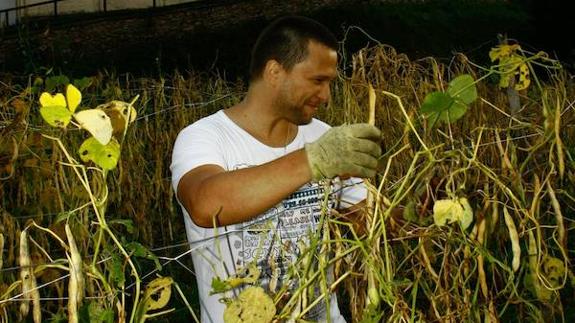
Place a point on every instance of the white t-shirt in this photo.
(270, 239)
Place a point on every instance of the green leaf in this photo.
(54, 81)
(83, 83)
(434, 104)
(95, 312)
(62, 216)
(84, 313)
(219, 285)
(37, 85)
(409, 212)
(462, 88)
(456, 111)
(56, 115)
(138, 250)
(439, 106)
(59, 317)
(129, 224)
(116, 269)
(245, 275)
(105, 156)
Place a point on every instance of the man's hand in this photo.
(345, 150)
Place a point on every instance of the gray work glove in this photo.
(345, 150)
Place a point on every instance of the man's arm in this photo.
(212, 195)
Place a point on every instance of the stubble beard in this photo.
(298, 116)
(293, 112)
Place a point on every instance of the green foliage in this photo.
(101, 148)
(116, 270)
(52, 83)
(83, 83)
(247, 275)
(94, 312)
(58, 317)
(220, 286)
(55, 82)
(451, 105)
(126, 223)
(105, 156)
(463, 89)
(138, 250)
(416, 263)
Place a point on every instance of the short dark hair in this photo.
(286, 41)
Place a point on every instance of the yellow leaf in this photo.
(119, 112)
(524, 80)
(508, 68)
(467, 215)
(494, 54)
(503, 51)
(56, 115)
(158, 293)
(554, 271)
(253, 305)
(97, 123)
(47, 100)
(156, 296)
(235, 282)
(73, 96)
(446, 211)
(452, 210)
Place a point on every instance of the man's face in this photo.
(306, 86)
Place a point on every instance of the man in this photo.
(254, 170)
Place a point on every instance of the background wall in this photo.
(218, 34)
(75, 6)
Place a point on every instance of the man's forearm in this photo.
(240, 195)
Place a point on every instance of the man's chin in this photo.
(302, 117)
(304, 121)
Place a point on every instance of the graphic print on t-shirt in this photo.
(275, 239)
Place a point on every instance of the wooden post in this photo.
(55, 8)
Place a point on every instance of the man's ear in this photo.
(273, 72)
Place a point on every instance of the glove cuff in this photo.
(316, 173)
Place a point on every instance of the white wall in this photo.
(7, 4)
(138, 4)
(67, 6)
(76, 6)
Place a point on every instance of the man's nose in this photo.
(324, 92)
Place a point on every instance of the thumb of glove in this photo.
(347, 149)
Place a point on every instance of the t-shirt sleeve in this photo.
(195, 146)
(353, 191)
